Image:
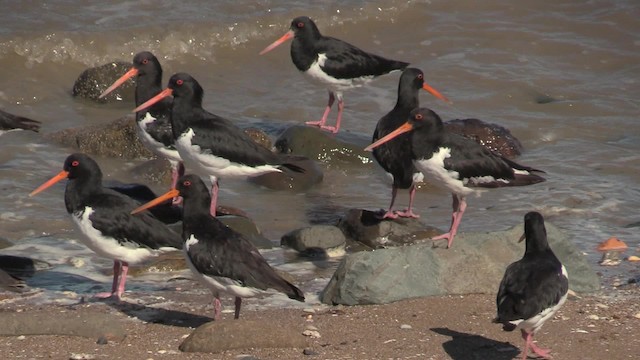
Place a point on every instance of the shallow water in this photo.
(561, 75)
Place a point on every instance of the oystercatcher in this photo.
(220, 258)
(533, 288)
(154, 125)
(456, 163)
(332, 63)
(212, 145)
(395, 155)
(103, 216)
(9, 121)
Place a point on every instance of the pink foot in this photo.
(106, 295)
(543, 353)
(315, 123)
(407, 214)
(386, 215)
(331, 129)
(448, 236)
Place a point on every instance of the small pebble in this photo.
(21, 337)
(311, 333)
(309, 310)
(309, 351)
(102, 340)
(81, 357)
(637, 316)
(405, 326)
(593, 317)
(602, 306)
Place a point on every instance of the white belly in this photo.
(212, 165)
(316, 75)
(434, 170)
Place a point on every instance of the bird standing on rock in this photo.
(395, 155)
(220, 258)
(533, 288)
(456, 163)
(212, 145)
(332, 63)
(103, 216)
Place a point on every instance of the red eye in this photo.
(300, 25)
(418, 117)
(75, 163)
(187, 183)
(420, 76)
(179, 82)
(145, 61)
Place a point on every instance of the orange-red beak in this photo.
(435, 93)
(161, 95)
(406, 127)
(128, 75)
(159, 200)
(61, 176)
(276, 43)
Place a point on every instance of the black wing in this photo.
(220, 251)
(9, 121)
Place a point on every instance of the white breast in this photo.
(317, 75)
(433, 169)
(106, 246)
(152, 144)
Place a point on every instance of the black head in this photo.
(426, 119)
(184, 85)
(79, 165)
(304, 26)
(191, 186)
(147, 64)
(412, 78)
(535, 232)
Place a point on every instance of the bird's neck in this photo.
(184, 113)
(79, 190)
(408, 99)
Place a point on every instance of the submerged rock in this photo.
(21, 266)
(317, 240)
(289, 179)
(493, 136)
(475, 264)
(93, 81)
(364, 227)
(219, 336)
(117, 139)
(311, 142)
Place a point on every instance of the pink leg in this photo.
(238, 305)
(123, 279)
(390, 214)
(326, 112)
(217, 307)
(529, 344)
(409, 212)
(114, 285)
(214, 196)
(177, 170)
(334, 129)
(459, 206)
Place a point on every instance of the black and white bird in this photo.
(456, 163)
(9, 121)
(332, 63)
(103, 216)
(533, 288)
(154, 125)
(394, 156)
(220, 258)
(212, 145)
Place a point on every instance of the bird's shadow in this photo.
(158, 315)
(464, 346)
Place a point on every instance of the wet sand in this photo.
(450, 327)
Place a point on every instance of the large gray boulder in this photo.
(316, 240)
(475, 264)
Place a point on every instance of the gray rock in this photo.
(21, 266)
(219, 336)
(292, 180)
(11, 283)
(93, 81)
(475, 264)
(317, 240)
(116, 139)
(4, 243)
(40, 322)
(342, 148)
(493, 136)
(364, 227)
